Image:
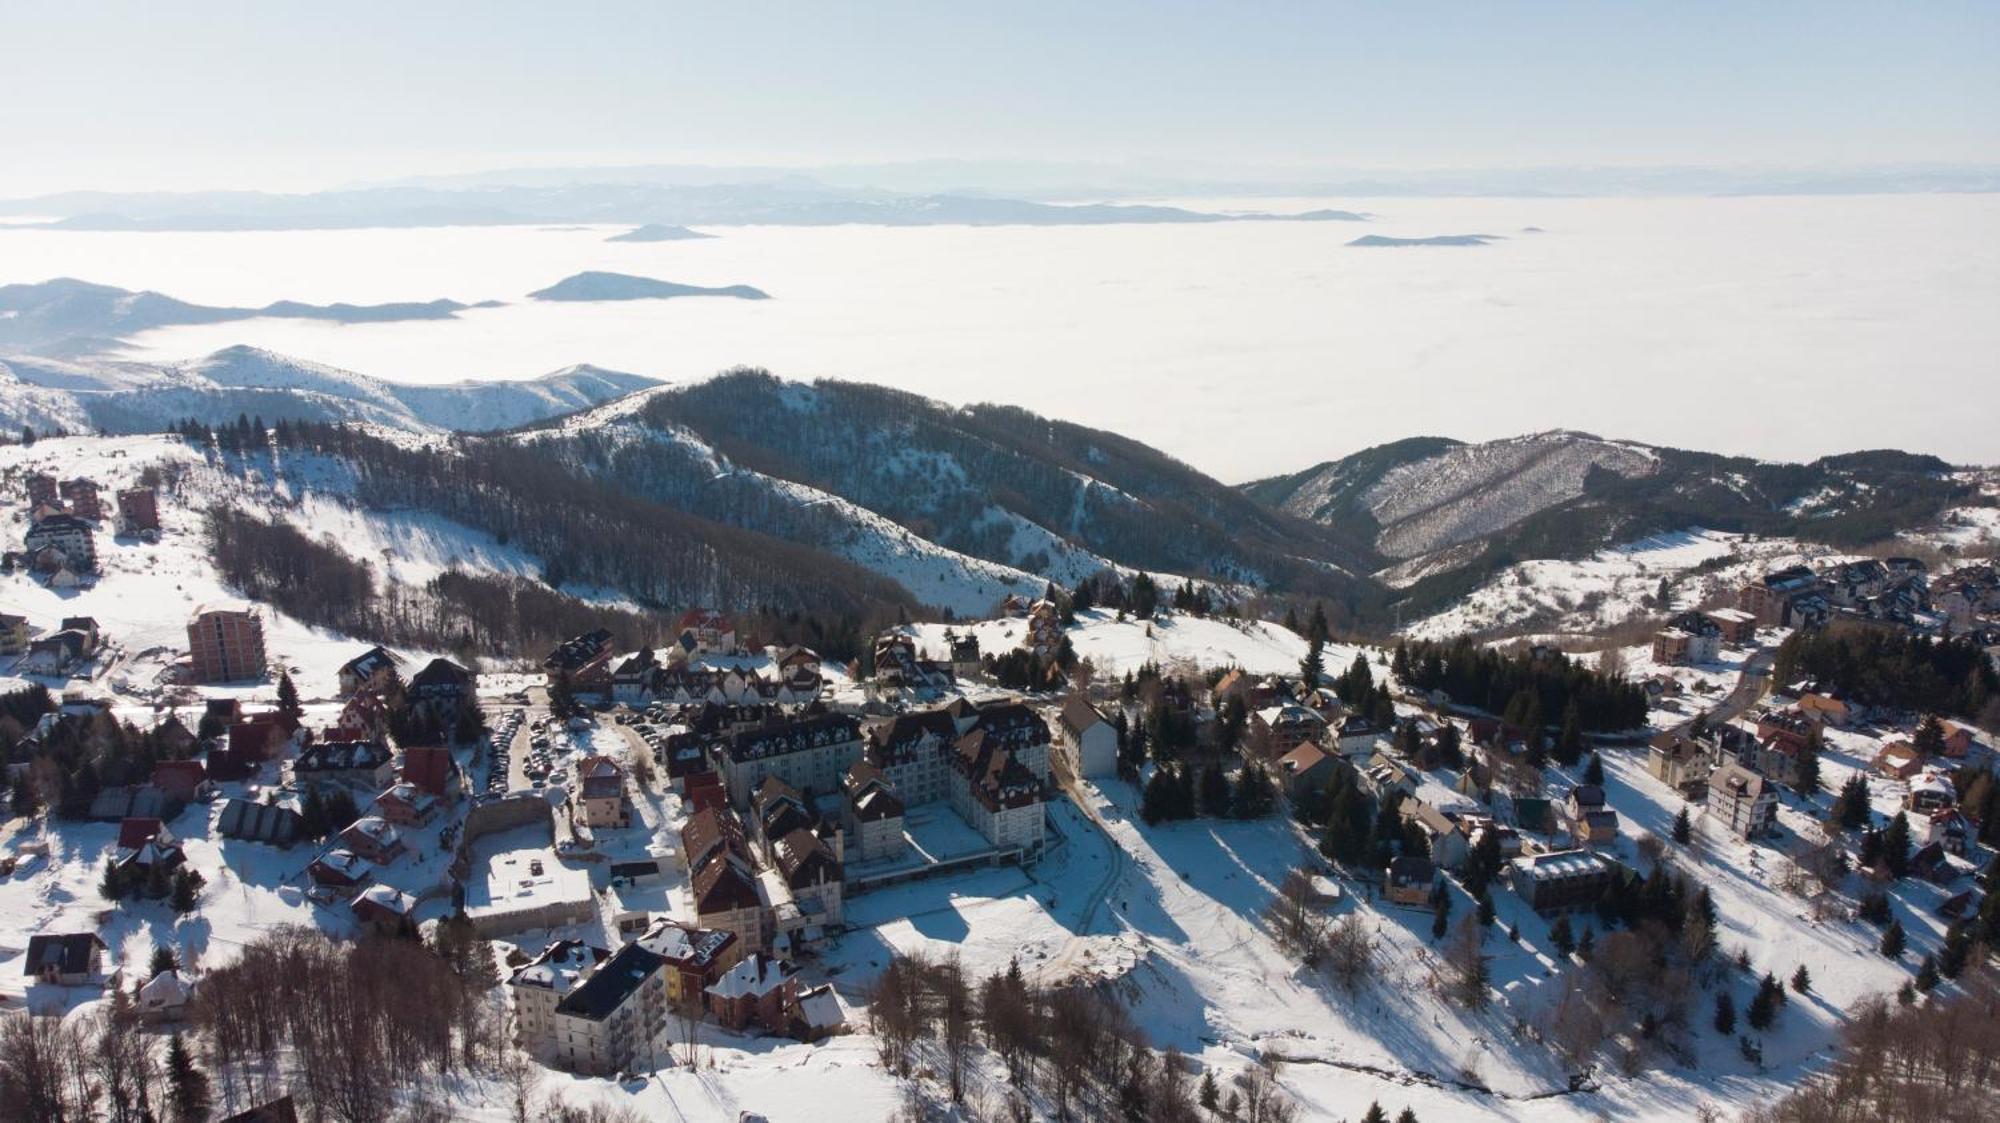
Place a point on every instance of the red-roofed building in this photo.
(431, 768)
(180, 779)
(134, 833)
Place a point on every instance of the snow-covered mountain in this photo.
(66, 316)
(594, 285)
(127, 397)
(1442, 516)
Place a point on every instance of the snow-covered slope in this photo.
(138, 397)
(935, 575)
(1473, 490)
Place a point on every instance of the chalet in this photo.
(260, 822)
(1279, 729)
(1931, 863)
(584, 661)
(164, 998)
(1898, 760)
(1958, 740)
(964, 654)
(813, 872)
(1949, 828)
(898, 667)
(125, 801)
(1660, 688)
(777, 809)
(53, 654)
(724, 895)
(1590, 821)
(1561, 880)
(87, 627)
(371, 671)
(1045, 628)
(71, 960)
(265, 736)
(1678, 761)
(1357, 735)
(431, 768)
(69, 536)
(173, 736)
(1929, 791)
(445, 691)
(1090, 742)
(1448, 844)
(872, 814)
(182, 781)
(1409, 880)
(342, 871)
(755, 992)
(374, 839)
(1826, 709)
(1383, 773)
(695, 957)
(1304, 770)
(383, 908)
(709, 832)
(1742, 802)
(600, 794)
(705, 631)
(369, 765)
(407, 805)
(14, 634)
(632, 681)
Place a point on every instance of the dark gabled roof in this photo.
(614, 981)
(804, 859)
(792, 737)
(280, 1110)
(1411, 870)
(371, 661)
(722, 884)
(580, 651)
(1079, 715)
(68, 954)
(440, 672)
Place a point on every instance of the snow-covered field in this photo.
(1325, 348)
(1579, 597)
(1116, 645)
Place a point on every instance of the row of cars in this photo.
(500, 742)
(549, 744)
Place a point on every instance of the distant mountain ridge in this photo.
(1443, 514)
(596, 285)
(790, 201)
(659, 232)
(130, 397)
(66, 316)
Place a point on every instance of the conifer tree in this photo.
(1725, 1014)
(187, 1086)
(1893, 940)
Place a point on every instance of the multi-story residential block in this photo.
(226, 643)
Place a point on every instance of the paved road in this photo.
(1751, 684)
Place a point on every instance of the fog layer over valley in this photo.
(1245, 348)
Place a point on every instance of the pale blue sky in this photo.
(291, 96)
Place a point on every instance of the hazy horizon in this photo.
(128, 96)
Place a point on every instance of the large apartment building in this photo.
(226, 643)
